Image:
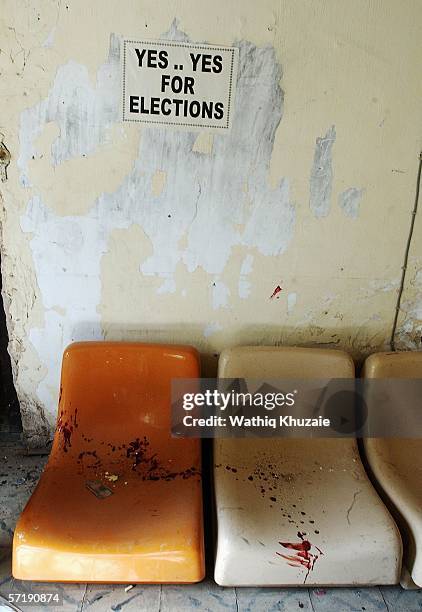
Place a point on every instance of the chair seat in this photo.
(144, 531)
(293, 512)
(119, 500)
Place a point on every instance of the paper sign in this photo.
(178, 84)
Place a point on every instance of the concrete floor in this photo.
(19, 474)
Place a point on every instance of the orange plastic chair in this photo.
(120, 500)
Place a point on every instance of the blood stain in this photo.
(303, 555)
(275, 293)
(66, 429)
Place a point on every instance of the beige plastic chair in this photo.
(291, 511)
(396, 464)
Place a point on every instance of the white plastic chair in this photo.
(396, 464)
(298, 511)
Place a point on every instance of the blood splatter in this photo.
(303, 556)
(66, 430)
(150, 467)
(137, 450)
(269, 481)
(142, 461)
(275, 293)
(96, 461)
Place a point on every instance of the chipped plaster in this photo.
(321, 180)
(349, 201)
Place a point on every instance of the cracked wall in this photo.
(409, 324)
(119, 231)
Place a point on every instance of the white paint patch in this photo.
(244, 286)
(83, 112)
(349, 201)
(211, 329)
(67, 255)
(321, 181)
(220, 295)
(246, 267)
(169, 286)
(49, 41)
(270, 224)
(204, 194)
(291, 302)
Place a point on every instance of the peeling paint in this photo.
(83, 113)
(291, 302)
(380, 285)
(168, 286)
(49, 41)
(220, 295)
(409, 332)
(199, 200)
(4, 159)
(349, 201)
(202, 194)
(321, 181)
(66, 252)
(244, 285)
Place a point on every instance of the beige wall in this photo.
(312, 190)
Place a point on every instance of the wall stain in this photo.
(349, 201)
(321, 180)
(4, 159)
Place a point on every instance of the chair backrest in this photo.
(114, 393)
(284, 362)
(394, 365)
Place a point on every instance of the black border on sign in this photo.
(178, 44)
